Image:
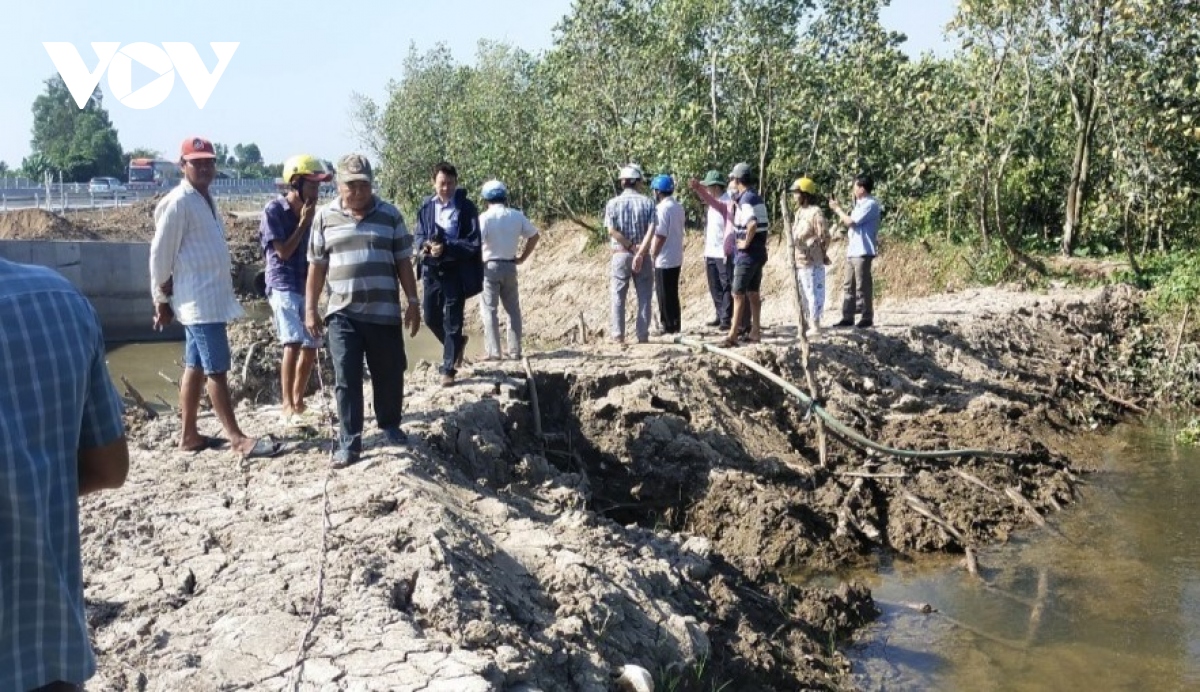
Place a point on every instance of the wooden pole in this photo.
(533, 399)
(138, 398)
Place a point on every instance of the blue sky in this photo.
(288, 86)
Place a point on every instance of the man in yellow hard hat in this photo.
(810, 233)
(284, 235)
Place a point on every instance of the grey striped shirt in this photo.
(631, 213)
(362, 256)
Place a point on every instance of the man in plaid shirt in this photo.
(61, 436)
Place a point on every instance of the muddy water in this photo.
(1111, 604)
(142, 362)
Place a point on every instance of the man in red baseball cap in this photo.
(190, 281)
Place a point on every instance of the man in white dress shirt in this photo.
(190, 281)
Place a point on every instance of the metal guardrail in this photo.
(71, 200)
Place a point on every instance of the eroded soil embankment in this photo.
(698, 443)
(649, 526)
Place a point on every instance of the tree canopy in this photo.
(1064, 125)
(77, 142)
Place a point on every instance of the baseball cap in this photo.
(713, 177)
(631, 172)
(197, 148)
(353, 167)
(740, 171)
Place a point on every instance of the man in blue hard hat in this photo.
(501, 230)
(667, 250)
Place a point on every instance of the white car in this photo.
(109, 186)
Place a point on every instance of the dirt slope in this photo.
(649, 525)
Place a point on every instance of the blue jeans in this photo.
(350, 339)
(206, 346)
(288, 310)
(442, 306)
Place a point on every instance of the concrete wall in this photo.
(115, 277)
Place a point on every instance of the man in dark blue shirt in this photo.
(286, 222)
(450, 263)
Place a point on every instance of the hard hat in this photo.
(662, 183)
(805, 185)
(631, 172)
(494, 191)
(741, 171)
(305, 165)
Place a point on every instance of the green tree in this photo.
(3, 168)
(77, 142)
(247, 155)
(222, 153)
(35, 167)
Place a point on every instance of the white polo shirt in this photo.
(501, 229)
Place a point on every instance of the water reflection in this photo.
(142, 362)
(1113, 606)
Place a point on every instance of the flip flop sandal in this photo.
(727, 343)
(264, 448)
(208, 443)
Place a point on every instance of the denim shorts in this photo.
(287, 309)
(206, 346)
(747, 278)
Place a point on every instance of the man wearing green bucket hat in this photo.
(719, 246)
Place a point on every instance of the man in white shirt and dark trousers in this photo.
(501, 229)
(190, 281)
(667, 251)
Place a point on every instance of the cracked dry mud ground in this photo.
(650, 527)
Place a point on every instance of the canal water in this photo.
(142, 362)
(1111, 604)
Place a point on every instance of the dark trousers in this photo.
(666, 285)
(443, 312)
(59, 687)
(351, 339)
(720, 277)
(856, 290)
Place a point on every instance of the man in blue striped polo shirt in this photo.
(360, 254)
(61, 436)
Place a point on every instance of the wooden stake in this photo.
(583, 334)
(926, 511)
(975, 480)
(138, 398)
(1187, 311)
(1020, 501)
(533, 398)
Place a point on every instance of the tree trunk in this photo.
(1085, 108)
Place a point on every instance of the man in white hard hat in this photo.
(628, 218)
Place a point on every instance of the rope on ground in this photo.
(849, 435)
(318, 600)
(315, 616)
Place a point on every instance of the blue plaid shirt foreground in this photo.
(55, 398)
